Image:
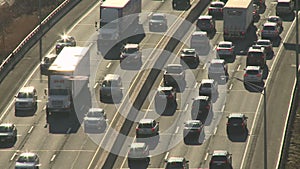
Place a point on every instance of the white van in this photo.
(200, 42)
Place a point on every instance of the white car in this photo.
(27, 160)
(26, 99)
(95, 119)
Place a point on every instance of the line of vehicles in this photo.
(66, 80)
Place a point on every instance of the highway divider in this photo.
(171, 43)
(34, 36)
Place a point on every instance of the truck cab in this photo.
(111, 88)
(181, 4)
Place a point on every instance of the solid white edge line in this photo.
(30, 130)
(261, 97)
(108, 65)
(284, 130)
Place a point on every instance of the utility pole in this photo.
(41, 35)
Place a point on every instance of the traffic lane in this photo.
(276, 110)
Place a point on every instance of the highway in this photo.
(62, 144)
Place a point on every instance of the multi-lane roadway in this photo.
(63, 144)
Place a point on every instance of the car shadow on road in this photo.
(152, 142)
(239, 138)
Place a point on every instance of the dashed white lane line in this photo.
(166, 156)
(13, 156)
(108, 65)
(52, 158)
(30, 130)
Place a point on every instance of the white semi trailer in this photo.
(68, 76)
(116, 17)
(238, 17)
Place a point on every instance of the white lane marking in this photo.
(13, 156)
(223, 108)
(206, 156)
(69, 130)
(238, 69)
(52, 158)
(96, 84)
(166, 156)
(204, 67)
(30, 130)
(186, 107)
(108, 65)
(261, 97)
(177, 129)
(150, 14)
(230, 87)
(215, 131)
(196, 84)
(82, 107)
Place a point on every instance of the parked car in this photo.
(94, 120)
(26, 99)
(28, 160)
(236, 124)
(189, 57)
(192, 130)
(46, 62)
(220, 159)
(201, 106)
(206, 23)
(177, 162)
(158, 22)
(8, 133)
(147, 128)
(131, 56)
(226, 51)
(65, 40)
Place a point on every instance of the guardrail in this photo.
(32, 38)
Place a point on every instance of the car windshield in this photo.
(218, 5)
(206, 85)
(145, 125)
(283, 4)
(218, 159)
(192, 124)
(46, 60)
(95, 114)
(165, 92)
(255, 54)
(5, 129)
(225, 45)
(198, 104)
(217, 66)
(58, 92)
(273, 19)
(174, 69)
(174, 165)
(204, 21)
(252, 72)
(26, 159)
(109, 83)
(265, 43)
(188, 52)
(25, 95)
(269, 28)
(130, 50)
(158, 17)
(235, 120)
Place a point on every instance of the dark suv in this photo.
(165, 96)
(177, 162)
(46, 62)
(206, 23)
(209, 87)
(201, 107)
(220, 159)
(147, 128)
(8, 133)
(236, 124)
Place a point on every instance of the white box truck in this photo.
(68, 76)
(238, 17)
(116, 17)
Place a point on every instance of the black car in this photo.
(189, 57)
(8, 133)
(220, 159)
(165, 95)
(158, 22)
(201, 107)
(192, 129)
(64, 41)
(206, 23)
(236, 124)
(46, 62)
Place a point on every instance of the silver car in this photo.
(95, 119)
(26, 99)
(147, 127)
(253, 74)
(27, 160)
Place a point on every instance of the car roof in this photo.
(145, 121)
(207, 81)
(188, 50)
(217, 61)
(263, 40)
(283, 0)
(201, 98)
(252, 68)
(27, 89)
(270, 24)
(217, 2)
(205, 17)
(96, 110)
(175, 159)
(220, 153)
(158, 14)
(236, 115)
(137, 145)
(174, 65)
(111, 77)
(193, 121)
(6, 124)
(254, 49)
(202, 33)
(131, 45)
(161, 88)
(28, 154)
(225, 42)
(274, 16)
